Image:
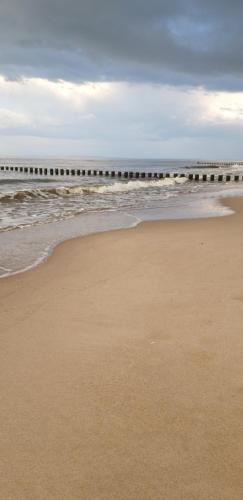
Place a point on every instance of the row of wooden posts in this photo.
(219, 163)
(40, 171)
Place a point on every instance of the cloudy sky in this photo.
(128, 78)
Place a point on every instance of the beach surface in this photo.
(122, 366)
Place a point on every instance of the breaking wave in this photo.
(237, 167)
(117, 187)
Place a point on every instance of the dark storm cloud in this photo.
(176, 42)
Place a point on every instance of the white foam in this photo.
(236, 167)
(119, 187)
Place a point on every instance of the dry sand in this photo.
(122, 367)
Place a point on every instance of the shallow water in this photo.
(38, 213)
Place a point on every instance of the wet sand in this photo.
(122, 366)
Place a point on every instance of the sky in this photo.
(121, 78)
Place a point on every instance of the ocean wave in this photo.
(122, 187)
(26, 194)
(237, 167)
(117, 187)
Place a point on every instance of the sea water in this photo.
(37, 213)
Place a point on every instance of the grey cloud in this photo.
(182, 42)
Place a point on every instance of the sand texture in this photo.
(121, 367)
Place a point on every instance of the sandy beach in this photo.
(122, 366)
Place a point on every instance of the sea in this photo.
(37, 213)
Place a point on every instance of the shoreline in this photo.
(50, 248)
(121, 366)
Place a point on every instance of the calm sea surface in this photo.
(36, 213)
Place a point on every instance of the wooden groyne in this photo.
(218, 164)
(41, 171)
